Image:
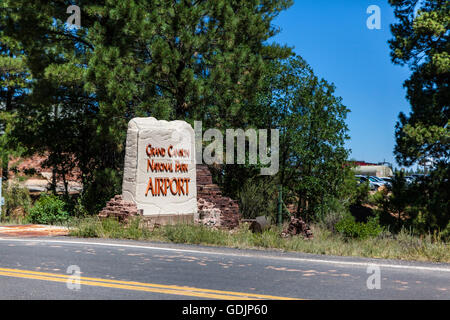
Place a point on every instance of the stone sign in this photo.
(160, 168)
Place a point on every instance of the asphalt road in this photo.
(110, 269)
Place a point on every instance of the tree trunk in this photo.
(5, 160)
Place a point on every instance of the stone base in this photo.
(119, 209)
(125, 210)
(167, 219)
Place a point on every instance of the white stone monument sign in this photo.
(160, 167)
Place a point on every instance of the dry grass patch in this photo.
(403, 246)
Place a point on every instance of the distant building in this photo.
(372, 169)
(378, 171)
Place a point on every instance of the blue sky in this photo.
(332, 36)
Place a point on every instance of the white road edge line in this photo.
(361, 264)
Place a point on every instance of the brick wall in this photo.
(217, 209)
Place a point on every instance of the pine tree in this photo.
(14, 88)
(421, 40)
(192, 60)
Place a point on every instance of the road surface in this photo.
(46, 268)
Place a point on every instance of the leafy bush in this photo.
(17, 201)
(361, 193)
(379, 197)
(48, 209)
(445, 234)
(333, 209)
(330, 212)
(349, 228)
(258, 197)
(79, 210)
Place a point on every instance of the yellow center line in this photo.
(138, 286)
(126, 287)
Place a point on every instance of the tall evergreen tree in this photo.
(15, 81)
(192, 60)
(421, 40)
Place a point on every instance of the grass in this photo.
(9, 221)
(403, 246)
(12, 221)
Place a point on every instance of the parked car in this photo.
(377, 181)
(372, 184)
(386, 181)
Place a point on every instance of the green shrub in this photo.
(330, 212)
(48, 209)
(259, 197)
(420, 207)
(349, 228)
(361, 193)
(445, 234)
(17, 201)
(378, 198)
(430, 197)
(79, 210)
